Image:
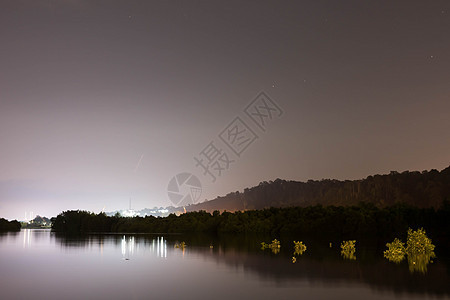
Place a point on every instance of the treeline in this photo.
(6, 225)
(421, 189)
(363, 220)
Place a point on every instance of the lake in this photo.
(44, 265)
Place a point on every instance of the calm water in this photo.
(40, 264)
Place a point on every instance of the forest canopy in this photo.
(363, 220)
(6, 225)
(420, 189)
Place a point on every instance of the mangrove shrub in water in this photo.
(299, 248)
(348, 249)
(396, 251)
(181, 245)
(274, 246)
(419, 250)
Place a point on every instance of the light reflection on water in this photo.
(116, 266)
(27, 238)
(128, 245)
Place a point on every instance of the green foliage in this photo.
(348, 249)
(78, 221)
(396, 251)
(343, 222)
(6, 225)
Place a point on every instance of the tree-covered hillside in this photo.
(419, 189)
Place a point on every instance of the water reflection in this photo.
(27, 238)
(6, 237)
(320, 263)
(32, 236)
(149, 255)
(161, 247)
(128, 247)
(129, 244)
(419, 262)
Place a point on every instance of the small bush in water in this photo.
(348, 249)
(396, 251)
(299, 248)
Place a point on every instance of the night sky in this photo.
(103, 101)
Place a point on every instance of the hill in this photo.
(37, 222)
(420, 189)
